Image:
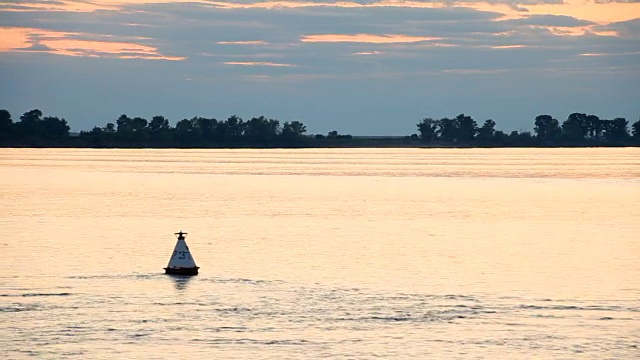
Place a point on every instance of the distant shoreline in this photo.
(382, 143)
(579, 130)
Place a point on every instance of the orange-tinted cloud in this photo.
(599, 11)
(283, 4)
(13, 38)
(592, 10)
(589, 10)
(365, 38)
(60, 5)
(67, 43)
(508, 47)
(577, 31)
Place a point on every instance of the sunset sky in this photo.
(364, 67)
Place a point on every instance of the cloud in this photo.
(498, 47)
(612, 54)
(558, 25)
(475, 71)
(365, 38)
(257, 63)
(117, 5)
(626, 29)
(13, 38)
(248, 42)
(550, 20)
(366, 53)
(416, 48)
(75, 44)
(56, 6)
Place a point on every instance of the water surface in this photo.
(345, 253)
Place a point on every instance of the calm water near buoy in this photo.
(321, 253)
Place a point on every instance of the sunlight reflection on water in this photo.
(358, 253)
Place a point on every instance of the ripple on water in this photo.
(20, 308)
(250, 314)
(32, 294)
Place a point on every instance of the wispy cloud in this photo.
(366, 53)
(248, 42)
(475, 71)
(57, 6)
(578, 31)
(75, 44)
(518, 46)
(257, 63)
(600, 11)
(616, 1)
(612, 54)
(365, 38)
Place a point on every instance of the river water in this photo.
(321, 253)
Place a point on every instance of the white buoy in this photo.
(181, 262)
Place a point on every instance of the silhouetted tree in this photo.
(195, 132)
(500, 138)
(159, 129)
(547, 128)
(594, 127)
(6, 124)
(428, 129)
(139, 127)
(33, 126)
(54, 128)
(131, 129)
(578, 129)
(615, 131)
(233, 128)
(185, 131)
(333, 134)
(293, 130)
(575, 129)
(207, 128)
(157, 124)
(447, 129)
(30, 123)
(466, 128)
(125, 128)
(100, 136)
(487, 131)
(95, 136)
(96, 132)
(635, 130)
(31, 117)
(520, 138)
(261, 129)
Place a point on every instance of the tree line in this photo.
(137, 131)
(198, 131)
(578, 130)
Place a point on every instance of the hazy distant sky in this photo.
(366, 67)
